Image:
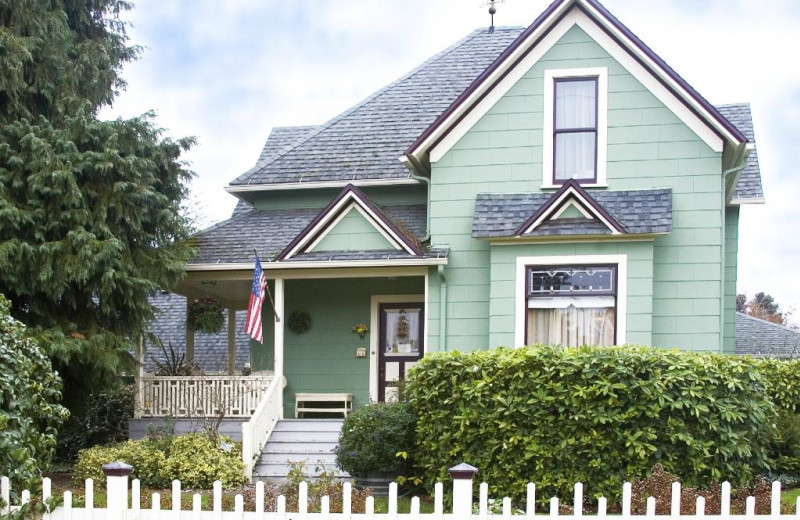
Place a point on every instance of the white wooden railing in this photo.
(257, 430)
(124, 503)
(201, 396)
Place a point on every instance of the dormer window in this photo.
(575, 127)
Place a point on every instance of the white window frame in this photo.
(550, 77)
(521, 299)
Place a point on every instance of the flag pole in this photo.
(269, 294)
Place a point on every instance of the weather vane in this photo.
(492, 10)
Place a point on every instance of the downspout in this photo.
(442, 310)
(741, 163)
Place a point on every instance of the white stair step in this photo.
(304, 436)
(331, 425)
(299, 447)
(308, 441)
(308, 458)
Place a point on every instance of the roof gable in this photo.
(349, 199)
(570, 195)
(527, 49)
(353, 230)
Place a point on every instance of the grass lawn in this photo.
(789, 496)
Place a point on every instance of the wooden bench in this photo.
(310, 402)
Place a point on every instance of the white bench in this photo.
(305, 402)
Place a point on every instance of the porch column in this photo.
(279, 298)
(231, 341)
(189, 335)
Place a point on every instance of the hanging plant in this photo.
(361, 329)
(205, 315)
(299, 322)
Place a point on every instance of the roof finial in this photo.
(492, 10)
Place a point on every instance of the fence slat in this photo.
(369, 507)
(217, 499)
(725, 500)
(88, 494)
(750, 507)
(700, 508)
(5, 495)
(626, 499)
(602, 507)
(414, 511)
(651, 507)
(302, 499)
(554, 506)
(393, 499)
(196, 506)
(238, 505)
(176, 496)
(675, 500)
(530, 506)
(67, 505)
(136, 495)
(483, 500)
(577, 503)
(281, 506)
(775, 506)
(438, 499)
(325, 505)
(506, 508)
(347, 499)
(259, 506)
(25, 497)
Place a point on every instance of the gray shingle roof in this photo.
(638, 211)
(210, 350)
(759, 338)
(749, 185)
(365, 141)
(270, 231)
(281, 140)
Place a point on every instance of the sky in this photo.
(228, 71)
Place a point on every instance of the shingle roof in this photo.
(759, 338)
(749, 185)
(366, 141)
(638, 211)
(270, 231)
(210, 350)
(281, 140)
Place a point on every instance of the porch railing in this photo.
(257, 430)
(201, 396)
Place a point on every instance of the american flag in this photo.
(252, 325)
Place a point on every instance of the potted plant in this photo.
(370, 441)
(205, 315)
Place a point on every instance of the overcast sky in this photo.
(228, 71)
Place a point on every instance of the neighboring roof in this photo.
(638, 211)
(270, 231)
(760, 338)
(210, 350)
(366, 141)
(749, 185)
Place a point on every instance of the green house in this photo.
(558, 183)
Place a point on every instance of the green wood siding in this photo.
(731, 266)
(648, 147)
(319, 198)
(353, 233)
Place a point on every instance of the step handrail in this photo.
(256, 431)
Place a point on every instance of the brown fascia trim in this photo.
(535, 25)
(325, 213)
(548, 205)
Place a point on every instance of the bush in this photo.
(372, 437)
(104, 421)
(782, 379)
(557, 416)
(193, 459)
(29, 411)
(784, 451)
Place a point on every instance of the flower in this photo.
(361, 329)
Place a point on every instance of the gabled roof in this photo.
(748, 188)
(760, 338)
(570, 192)
(349, 197)
(501, 215)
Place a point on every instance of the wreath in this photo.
(205, 315)
(299, 322)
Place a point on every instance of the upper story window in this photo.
(575, 127)
(575, 130)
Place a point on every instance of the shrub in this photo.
(782, 379)
(193, 459)
(29, 411)
(784, 451)
(557, 416)
(372, 437)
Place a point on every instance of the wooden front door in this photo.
(400, 346)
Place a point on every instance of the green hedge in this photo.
(193, 459)
(782, 379)
(601, 416)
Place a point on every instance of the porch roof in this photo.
(270, 231)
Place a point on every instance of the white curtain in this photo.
(572, 322)
(390, 334)
(576, 103)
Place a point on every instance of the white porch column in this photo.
(278, 320)
(231, 340)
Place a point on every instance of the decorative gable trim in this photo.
(570, 193)
(348, 199)
(534, 42)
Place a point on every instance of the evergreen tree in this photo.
(90, 210)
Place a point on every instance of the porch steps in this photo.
(309, 441)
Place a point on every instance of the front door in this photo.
(400, 344)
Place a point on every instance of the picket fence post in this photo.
(462, 489)
(117, 489)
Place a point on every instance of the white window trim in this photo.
(523, 262)
(550, 75)
(374, 329)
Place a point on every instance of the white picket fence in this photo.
(122, 505)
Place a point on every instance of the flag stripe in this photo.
(252, 324)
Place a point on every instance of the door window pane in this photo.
(575, 155)
(402, 331)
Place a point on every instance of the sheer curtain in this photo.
(572, 322)
(392, 318)
(576, 103)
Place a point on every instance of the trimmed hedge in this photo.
(782, 379)
(598, 415)
(193, 459)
